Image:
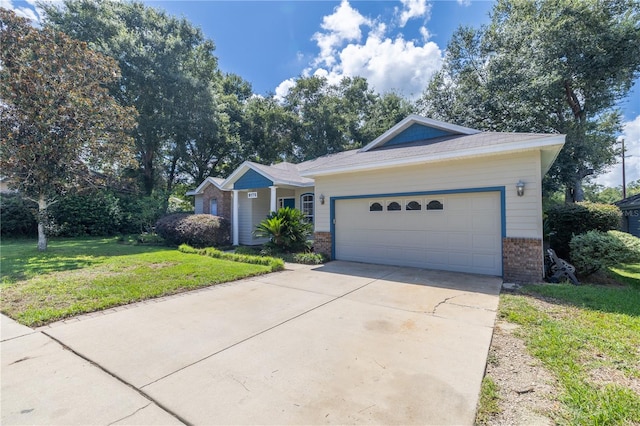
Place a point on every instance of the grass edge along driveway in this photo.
(82, 275)
(582, 334)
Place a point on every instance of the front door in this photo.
(287, 202)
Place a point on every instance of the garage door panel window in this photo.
(413, 205)
(394, 206)
(375, 206)
(435, 205)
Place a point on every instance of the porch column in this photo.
(273, 198)
(234, 222)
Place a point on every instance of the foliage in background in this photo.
(566, 220)
(97, 213)
(595, 250)
(169, 75)
(287, 230)
(274, 263)
(59, 129)
(17, 216)
(545, 66)
(198, 230)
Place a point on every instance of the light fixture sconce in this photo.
(322, 199)
(520, 188)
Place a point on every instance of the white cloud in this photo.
(283, 88)
(30, 13)
(464, 2)
(413, 9)
(631, 136)
(343, 25)
(353, 45)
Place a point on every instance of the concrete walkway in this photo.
(336, 344)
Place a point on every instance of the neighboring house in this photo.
(630, 208)
(425, 194)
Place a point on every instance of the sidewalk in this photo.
(45, 383)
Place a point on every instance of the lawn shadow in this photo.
(617, 300)
(21, 259)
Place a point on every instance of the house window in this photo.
(394, 206)
(213, 207)
(435, 205)
(375, 207)
(413, 205)
(306, 202)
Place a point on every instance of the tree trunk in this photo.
(574, 193)
(42, 217)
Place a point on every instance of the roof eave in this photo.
(549, 143)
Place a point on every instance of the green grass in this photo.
(84, 275)
(488, 405)
(589, 337)
(627, 273)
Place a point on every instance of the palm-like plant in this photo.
(286, 229)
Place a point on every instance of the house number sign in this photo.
(252, 194)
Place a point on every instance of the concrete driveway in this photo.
(343, 343)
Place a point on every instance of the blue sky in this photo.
(396, 45)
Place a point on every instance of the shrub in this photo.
(140, 214)
(273, 263)
(566, 220)
(286, 229)
(17, 218)
(96, 213)
(596, 250)
(198, 230)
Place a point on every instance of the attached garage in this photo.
(449, 231)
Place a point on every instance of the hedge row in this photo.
(273, 263)
(198, 230)
(596, 250)
(100, 213)
(567, 220)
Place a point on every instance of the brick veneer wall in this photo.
(224, 201)
(522, 260)
(322, 243)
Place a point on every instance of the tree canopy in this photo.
(60, 128)
(545, 66)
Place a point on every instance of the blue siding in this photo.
(417, 132)
(632, 218)
(252, 180)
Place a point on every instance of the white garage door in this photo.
(460, 232)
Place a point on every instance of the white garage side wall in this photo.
(523, 214)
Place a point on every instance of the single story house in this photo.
(425, 194)
(630, 208)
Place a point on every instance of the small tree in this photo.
(286, 229)
(59, 128)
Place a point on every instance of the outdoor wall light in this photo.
(520, 188)
(322, 199)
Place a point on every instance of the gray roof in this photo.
(632, 202)
(284, 173)
(421, 150)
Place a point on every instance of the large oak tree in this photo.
(545, 66)
(59, 126)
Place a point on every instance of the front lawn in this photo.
(589, 338)
(84, 275)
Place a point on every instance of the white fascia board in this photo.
(204, 183)
(417, 119)
(556, 140)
